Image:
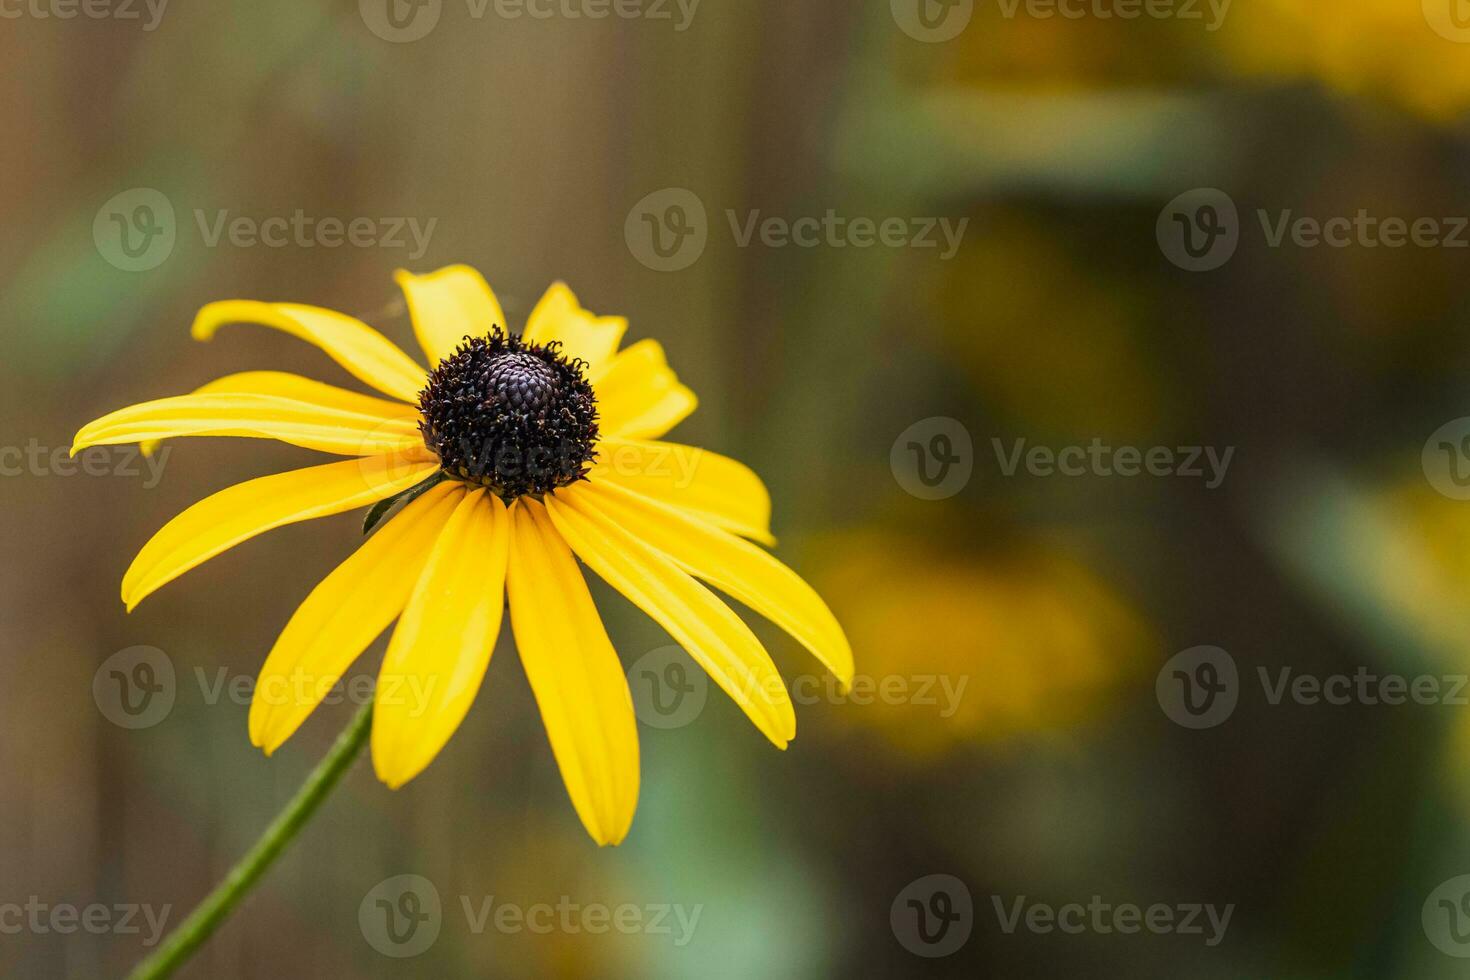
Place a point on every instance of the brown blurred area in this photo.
(1012, 637)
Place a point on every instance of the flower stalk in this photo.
(213, 911)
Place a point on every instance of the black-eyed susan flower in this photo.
(509, 459)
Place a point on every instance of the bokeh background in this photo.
(1050, 603)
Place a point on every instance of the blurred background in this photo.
(1092, 236)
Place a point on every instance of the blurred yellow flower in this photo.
(1029, 642)
(1401, 50)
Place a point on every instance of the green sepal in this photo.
(380, 509)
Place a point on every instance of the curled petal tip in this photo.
(208, 320)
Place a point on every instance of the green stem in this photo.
(202, 922)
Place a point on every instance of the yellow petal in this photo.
(293, 386)
(731, 565)
(219, 522)
(698, 621)
(442, 644)
(575, 674)
(448, 304)
(366, 354)
(710, 486)
(253, 416)
(345, 613)
(558, 316)
(638, 396)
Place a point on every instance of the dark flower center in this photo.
(515, 417)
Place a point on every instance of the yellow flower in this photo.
(1027, 642)
(510, 457)
(1396, 50)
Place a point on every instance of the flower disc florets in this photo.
(515, 417)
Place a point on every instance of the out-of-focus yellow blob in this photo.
(1405, 51)
(957, 650)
